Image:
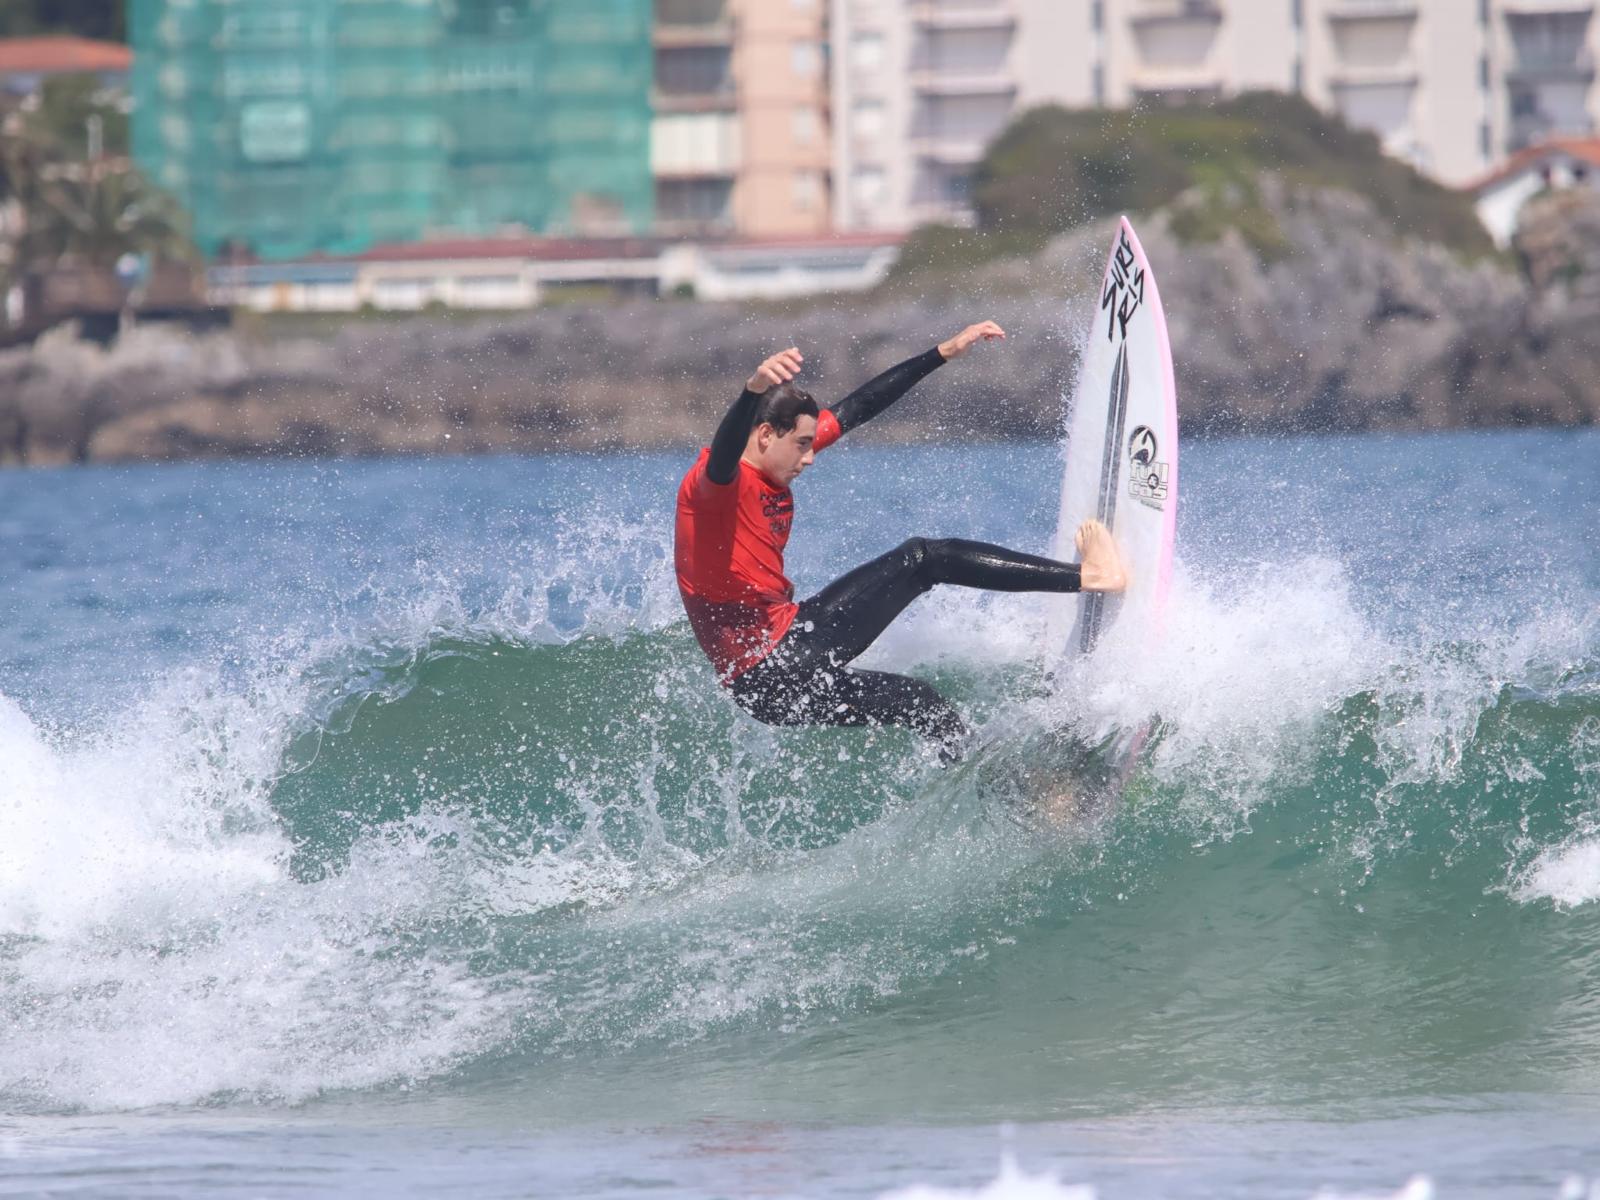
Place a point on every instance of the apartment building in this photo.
(1452, 86)
(740, 140)
(920, 87)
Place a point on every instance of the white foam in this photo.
(1013, 1183)
(157, 949)
(1418, 1187)
(1567, 875)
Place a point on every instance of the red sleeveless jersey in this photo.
(729, 554)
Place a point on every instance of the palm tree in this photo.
(93, 217)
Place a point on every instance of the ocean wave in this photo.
(495, 834)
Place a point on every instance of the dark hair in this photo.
(783, 406)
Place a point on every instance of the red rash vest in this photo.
(729, 555)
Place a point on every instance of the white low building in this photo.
(1556, 164)
(512, 273)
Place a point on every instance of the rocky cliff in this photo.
(1347, 328)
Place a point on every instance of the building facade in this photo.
(331, 125)
(740, 140)
(1452, 86)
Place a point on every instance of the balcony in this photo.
(1540, 8)
(1152, 12)
(708, 33)
(962, 81)
(1372, 10)
(954, 149)
(1575, 64)
(1397, 73)
(720, 99)
(964, 14)
(1179, 81)
(1532, 128)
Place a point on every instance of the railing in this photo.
(1531, 8)
(958, 148)
(962, 81)
(1568, 63)
(716, 99)
(1177, 10)
(1358, 10)
(709, 33)
(1539, 127)
(1355, 74)
(963, 14)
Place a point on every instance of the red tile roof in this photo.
(61, 55)
(434, 249)
(570, 249)
(1586, 149)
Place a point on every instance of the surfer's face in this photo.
(782, 456)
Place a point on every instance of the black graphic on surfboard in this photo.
(1124, 289)
(1094, 603)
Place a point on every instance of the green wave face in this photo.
(1386, 897)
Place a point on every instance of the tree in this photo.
(69, 107)
(93, 217)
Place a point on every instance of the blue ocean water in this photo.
(376, 828)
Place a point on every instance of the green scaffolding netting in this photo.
(298, 126)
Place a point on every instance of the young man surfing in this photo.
(786, 663)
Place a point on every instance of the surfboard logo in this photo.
(1147, 476)
(1124, 288)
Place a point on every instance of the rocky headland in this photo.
(1338, 325)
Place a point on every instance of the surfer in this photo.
(786, 663)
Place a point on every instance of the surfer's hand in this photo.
(983, 331)
(780, 368)
(1101, 567)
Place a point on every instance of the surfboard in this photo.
(1122, 449)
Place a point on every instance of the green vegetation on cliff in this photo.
(1053, 169)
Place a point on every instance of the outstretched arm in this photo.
(734, 432)
(877, 394)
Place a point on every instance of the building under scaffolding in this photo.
(333, 125)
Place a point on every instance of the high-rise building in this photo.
(1452, 86)
(330, 125)
(740, 142)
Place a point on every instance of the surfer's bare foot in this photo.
(1100, 566)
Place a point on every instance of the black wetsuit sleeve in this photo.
(732, 434)
(872, 397)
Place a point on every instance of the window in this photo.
(694, 70)
(868, 185)
(866, 51)
(805, 125)
(867, 118)
(807, 187)
(805, 58)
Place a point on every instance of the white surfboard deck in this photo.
(1122, 449)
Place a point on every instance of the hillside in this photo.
(1055, 170)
